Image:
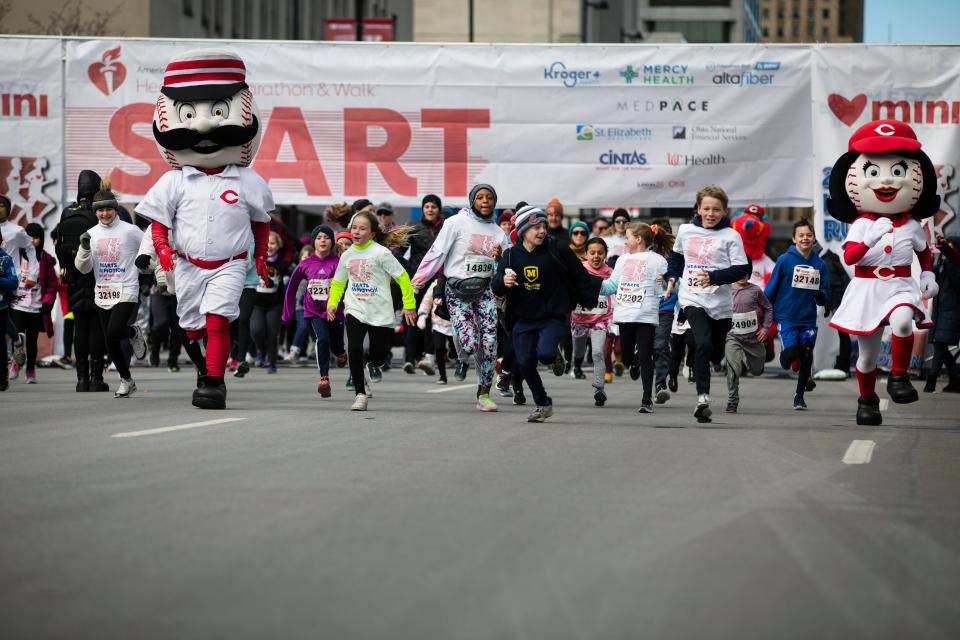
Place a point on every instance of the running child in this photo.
(636, 281)
(707, 258)
(746, 347)
(368, 304)
(798, 284)
(442, 327)
(317, 270)
(31, 311)
(592, 325)
(8, 289)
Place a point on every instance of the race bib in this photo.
(745, 322)
(270, 287)
(806, 278)
(602, 308)
(319, 289)
(691, 282)
(630, 297)
(478, 266)
(108, 294)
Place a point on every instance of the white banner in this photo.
(31, 128)
(594, 126)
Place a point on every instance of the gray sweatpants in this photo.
(742, 357)
(597, 339)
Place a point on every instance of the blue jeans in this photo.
(661, 349)
(329, 335)
(300, 336)
(537, 342)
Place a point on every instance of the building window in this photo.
(766, 32)
(826, 32)
(826, 14)
(766, 14)
(810, 30)
(779, 32)
(695, 30)
(188, 8)
(796, 31)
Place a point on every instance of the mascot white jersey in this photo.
(210, 204)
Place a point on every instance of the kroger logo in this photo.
(586, 132)
(570, 77)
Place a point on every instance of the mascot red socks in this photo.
(883, 186)
(210, 204)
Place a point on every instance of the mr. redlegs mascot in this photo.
(209, 204)
(884, 185)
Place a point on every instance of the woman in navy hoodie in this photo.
(797, 285)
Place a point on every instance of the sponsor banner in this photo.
(31, 157)
(594, 126)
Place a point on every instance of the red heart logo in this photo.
(847, 110)
(108, 74)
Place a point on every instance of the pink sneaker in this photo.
(31, 376)
(14, 371)
(233, 364)
(485, 404)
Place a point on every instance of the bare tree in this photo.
(4, 10)
(74, 18)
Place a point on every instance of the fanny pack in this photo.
(468, 289)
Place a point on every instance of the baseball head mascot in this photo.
(883, 186)
(205, 209)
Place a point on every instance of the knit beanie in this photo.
(505, 216)
(432, 198)
(104, 199)
(324, 229)
(473, 195)
(579, 224)
(344, 234)
(555, 203)
(528, 217)
(621, 213)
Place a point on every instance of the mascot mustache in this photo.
(226, 136)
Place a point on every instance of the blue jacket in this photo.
(668, 304)
(8, 279)
(793, 305)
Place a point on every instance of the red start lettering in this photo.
(289, 123)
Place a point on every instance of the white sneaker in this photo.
(359, 403)
(702, 413)
(138, 343)
(126, 388)
(19, 353)
(367, 385)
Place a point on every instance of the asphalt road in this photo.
(424, 519)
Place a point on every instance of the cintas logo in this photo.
(570, 77)
(687, 160)
(632, 158)
(108, 73)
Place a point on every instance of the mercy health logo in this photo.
(587, 132)
(629, 158)
(688, 160)
(744, 74)
(848, 111)
(658, 75)
(108, 73)
(570, 77)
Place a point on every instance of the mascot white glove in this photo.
(928, 285)
(876, 231)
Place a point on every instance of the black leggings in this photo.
(240, 328)
(380, 338)
(709, 339)
(163, 313)
(680, 344)
(440, 343)
(67, 337)
(803, 353)
(88, 343)
(639, 336)
(116, 323)
(265, 331)
(30, 324)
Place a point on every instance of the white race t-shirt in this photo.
(638, 295)
(709, 250)
(113, 250)
(368, 273)
(464, 248)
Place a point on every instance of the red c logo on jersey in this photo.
(230, 196)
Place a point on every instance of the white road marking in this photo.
(884, 404)
(178, 427)
(459, 386)
(859, 452)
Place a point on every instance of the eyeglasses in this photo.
(602, 228)
(579, 232)
(620, 221)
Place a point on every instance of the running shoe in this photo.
(154, 359)
(635, 371)
(4, 385)
(702, 413)
(323, 388)
(242, 369)
(126, 388)
(662, 395)
(608, 377)
(503, 384)
(31, 376)
(599, 398)
(518, 397)
(426, 365)
(259, 362)
(442, 380)
(618, 368)
(566, 368)
(559, 364)
(233, 365)
(359, 403)
(731, 407)
(349, 384)
(539, 414)
(811, 385)
(460, 373)
(645, 407)
(174, 368)
(367, 386)
(376, 375)
(139, 343)
(798, 403)
(690, 379)
(19, 354)
(272, 368)
(14, 370)
(578, 374)
(485, 404)
(409, 368)
(672, 383)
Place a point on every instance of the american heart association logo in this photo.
(108, 74)
(847, 111)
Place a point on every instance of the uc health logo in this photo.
(108, 73)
